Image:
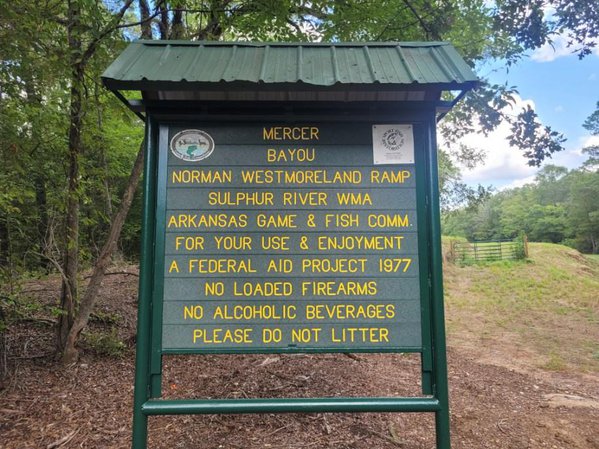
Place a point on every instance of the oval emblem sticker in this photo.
(192, 145)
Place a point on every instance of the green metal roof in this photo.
(187, 65)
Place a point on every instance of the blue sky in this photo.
(563, 90)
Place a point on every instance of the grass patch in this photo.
(105, 343)
(550, 303)
(555, 363)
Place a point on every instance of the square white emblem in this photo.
(393, 144)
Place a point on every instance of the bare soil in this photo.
(496, 402)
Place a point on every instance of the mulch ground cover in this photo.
(89, 404)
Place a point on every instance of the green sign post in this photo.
(289, 226)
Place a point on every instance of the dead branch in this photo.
(113, 273)
(352, 356)
(64, 440)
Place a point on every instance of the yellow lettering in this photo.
(275, 242)
(350, 311)
(222, 336)
(291, 155)
(193, 312)
(280, 266)
(336, 288)
(360, 335)
(189, 243)
(222, 266)
(262, 289)
(389, 177)
(237, 198)
(305, 335)
(207, 221)
(232, 242)
(388, 221)
(269, 221)
(290, 133)
(201, 176)
(340, 265)
(305, 198)
(354, 199)
(359, 242)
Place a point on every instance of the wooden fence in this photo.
(489, 251)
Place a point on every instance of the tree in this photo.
(53, 53)
(583, 210)
(591, 124)
(583, 205)
(80, 53)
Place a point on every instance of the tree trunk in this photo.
(177, 28)
(42, 223)
(102, 150)
(35, 100)
(213, 29)
(70, 353)
(163, 25)
(68, 297)
(146, 25)
(4, 246)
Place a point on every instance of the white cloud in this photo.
(592, 77)
(559, 108)
(569, 158)
(587, 141)
(557, 49)
(518, 183)
(504, 164)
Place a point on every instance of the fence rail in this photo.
(488, 251)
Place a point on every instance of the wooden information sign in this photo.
(289, 238)
(291, 205)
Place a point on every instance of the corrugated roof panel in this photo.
(169, 67)
(447, 55)
(244, 65)
(350, 64)
(411, 57)
(317, 66)
(162, 64)
(436, 71)
(280, 66)
(389, 67)
(394, 66)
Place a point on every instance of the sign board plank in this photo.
(289, 237)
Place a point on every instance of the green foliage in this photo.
(105, 343)
(36, 70)
(533, 23)
(34, 113)
(583, 210)
(453, 192)
(105, 317)
(537, 141)
(561, 207)
(591, 124)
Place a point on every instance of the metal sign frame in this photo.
(149, 350)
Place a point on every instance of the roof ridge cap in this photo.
(157, 42)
